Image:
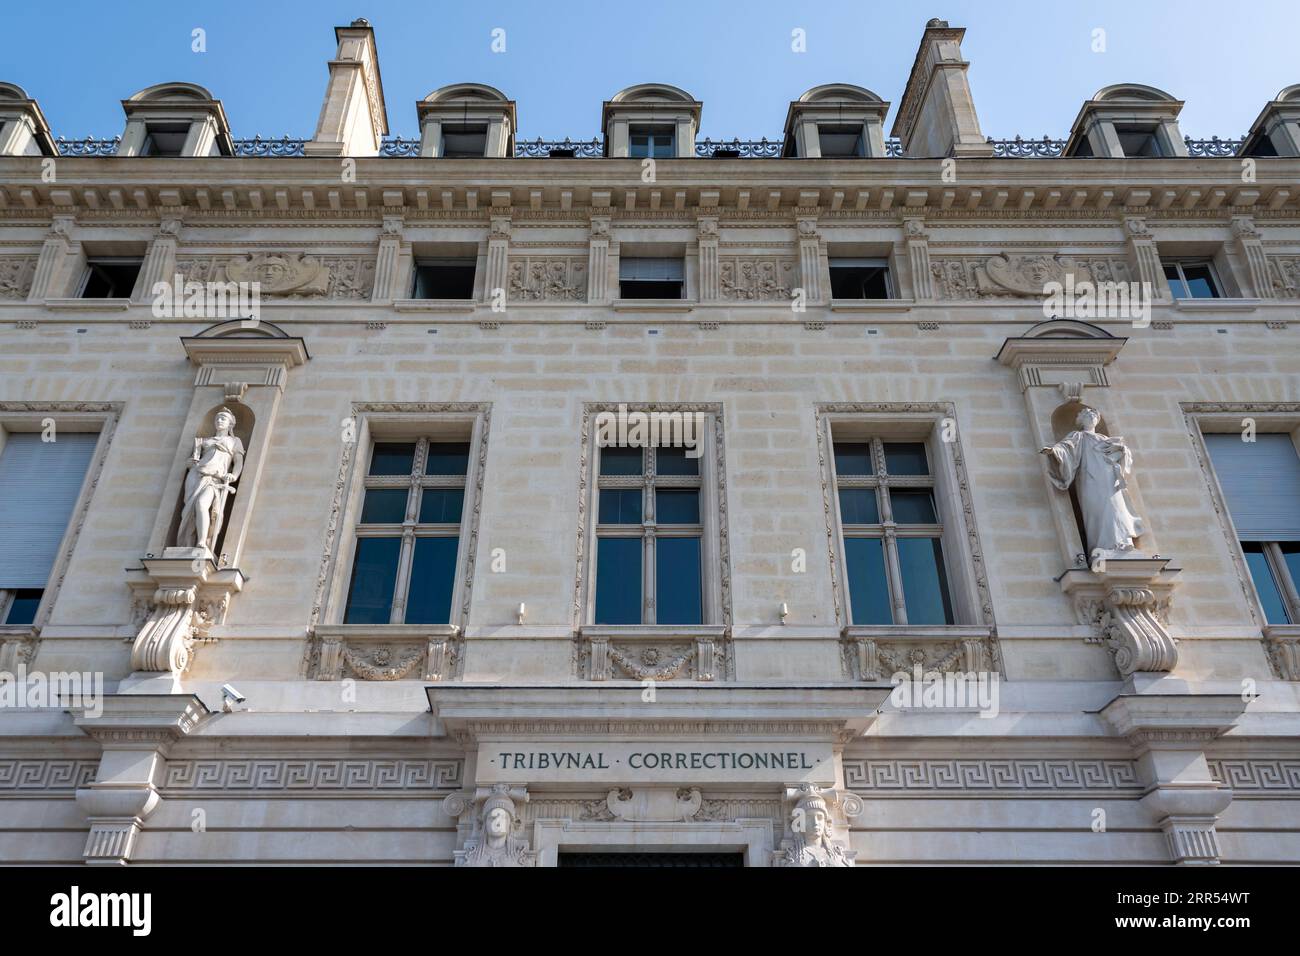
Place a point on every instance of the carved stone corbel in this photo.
(490, 827)
(817, 827)
(190, 595)
(1127, 601)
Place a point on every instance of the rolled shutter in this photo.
(1261, 483)
(39, 485)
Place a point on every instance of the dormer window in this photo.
(652, 142)
(840, 141)
(464, 142)
(1138, 140)
(164, 139)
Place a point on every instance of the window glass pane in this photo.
(447, 458)
(677, 581)
(618, 580)
(441, 505)
(677, 505)
(374, 572)
(1270, 595)
(1291, 557)
(858, 506)
(22, 610)
(1177, 288)
(906, 458)
(433, 574)
(675, 461)
(384, 506)
(1200, 282)
(913, 507)
(859, 282)
(392, 458)
(840, 140)
(925, 585)
(853, 458)
(617, 460)
(864, 560)
(620, 506)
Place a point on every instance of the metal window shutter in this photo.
(39, 485)
(661, 270)
(1261, 483)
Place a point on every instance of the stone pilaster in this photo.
(1144, 257)
(498, 260)
(810, 261)
(159, 264)
(598, 260)
(707, 233)
(918, 259)
(52, 264)
(388, 260)
(1249, 242)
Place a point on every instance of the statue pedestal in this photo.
(185, 594)
(1127, 600)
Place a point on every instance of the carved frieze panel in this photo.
(867, 659)
(335, 654)
(1019, 275)
(756, 278)
(310, 773)
(976, 775)
(1283, 270)
(645, 657)
(16, 274)
(547, 279)
(287, 275)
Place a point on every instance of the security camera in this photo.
(230, 697)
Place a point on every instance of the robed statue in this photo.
(1098, 467)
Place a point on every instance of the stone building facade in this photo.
(337, 518)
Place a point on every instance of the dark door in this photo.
(707, 860)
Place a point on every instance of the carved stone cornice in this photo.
(143, 721)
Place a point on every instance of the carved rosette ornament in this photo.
(814, 816)
(495, 826)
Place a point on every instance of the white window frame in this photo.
(1178, 262)
(101, 417)
(397, 422)
(715, 574)
(927, 423)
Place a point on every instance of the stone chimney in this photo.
(353, 119)
(936, 117)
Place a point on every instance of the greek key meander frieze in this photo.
(756, 278)
(547, 279)
(287, 275)
(1256, 774)
(313, 774)
(46, 774)
(990, 775)
(16, 274)
(1011, 275)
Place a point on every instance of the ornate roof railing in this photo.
(397, 146)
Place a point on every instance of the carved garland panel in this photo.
(287, 275)
(1019, 275)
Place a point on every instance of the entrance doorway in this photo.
(653, 859)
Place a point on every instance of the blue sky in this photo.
(1031, 62)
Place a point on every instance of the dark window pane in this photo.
(649, 289)
(392, 458)
(22, 610)
(384, 506)
(442, 505)
(864, 560)
(840, 141)
(447, 458)
(111, 280)
(1270, 595)
(906, 458)
(618, 460)
(444, 279)
(677, 505)
(677, 581)
(859, 282)
(1138, 140)
(464, 142)
(1177, 288)
(618, 581)
(913, 507)
(853, 458)
(433, 574)
(675, 461)
(620, 506)
(1200, 282)
(858, 506)
(925, 585)
(374, 572)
